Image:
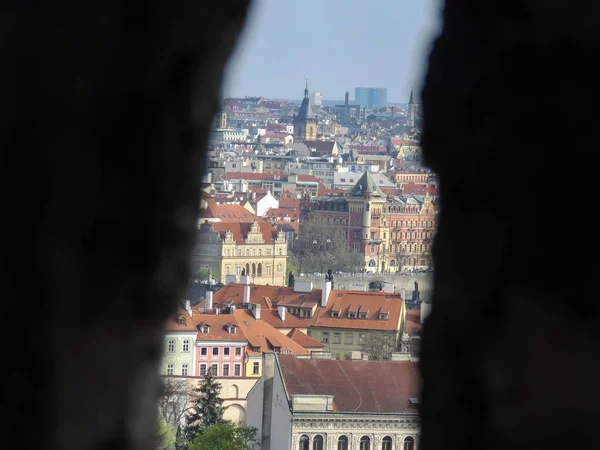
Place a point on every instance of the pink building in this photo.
(220, 346)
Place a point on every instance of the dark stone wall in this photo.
(105, 108)
(510, 353)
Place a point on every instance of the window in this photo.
(409, 443)
(383, 316)
(186, 346)
(386, 443)
(365, 443)
(203, 351)
(356, 234)
(362, 338)
(268, 269)
(181, 320)
(362, 315)
(238, 270)
(215, 351)
(255, 368)
(238, 351)
(342, 443)
(232, 331)
(357, 246)
(303, 444)
(184, 370)
(352, 315)
(318, 442)
(349, 338)
(226, 351)
(171, 346)
(225, 370)
(202, 369)
(205, 329)
(325, 337)
(237, 370)
(372, 235)
(335, 314)
(214, 370)
(337, 338)
(170, 369)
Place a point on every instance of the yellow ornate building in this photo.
(229, 248)
(305, 122)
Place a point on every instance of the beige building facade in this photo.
(255, 249)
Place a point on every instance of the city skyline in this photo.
(382, 45)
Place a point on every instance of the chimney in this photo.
(281, 311)
(325, 293)
(208, 301)
(255, 308)
(188, 306)
(347, 96)
(246, 294)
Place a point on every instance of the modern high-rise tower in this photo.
(370, 97)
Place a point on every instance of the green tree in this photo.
(226, 436)
(165, 440)
(203, 274)
(207, 408)
(379, 345)
(323, 246)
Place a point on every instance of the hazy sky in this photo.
(337, 44)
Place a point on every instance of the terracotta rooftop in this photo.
(226, 212)
(187, 325)
(304, 339)
(260, 333)
(371, 303)
(289, 203)
(234, 293)
(357, 386)
(218, 330)
(272, 318)
(240, 230)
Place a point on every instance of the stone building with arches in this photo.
(236, 244)
(321, 404)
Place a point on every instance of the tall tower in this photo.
(411, 112)
(305, 122)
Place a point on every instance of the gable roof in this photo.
(173, 321)
(240, 230)
(219, 325)
(260, 334)
(271, 316)
(373, 303)
(221, 211)
(383, 386)
(304, 339)
(366, 185)
(266, 296)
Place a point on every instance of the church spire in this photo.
(306, 89)
(410, 101)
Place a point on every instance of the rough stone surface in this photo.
(510, 355)
(105, 110)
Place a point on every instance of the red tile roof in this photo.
(234, 293)
(226, 212)
(260, 333)
(218, 331)
(240, 230)
(271, 316)
(357, 386)
(304, 339)
(289, 203)
(173, 322)
(356, 301)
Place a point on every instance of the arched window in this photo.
(342, 443)
(304, 443)
(259, 269)
(253, 269)
(247, 269)
(386, 444)
(365, 443)
(318, 442)
(409, 443)
(372, 263)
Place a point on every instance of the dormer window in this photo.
(181, 320)
(362, 315)
(205, 329)
(232, 330)
(335, 314)
(277, 349)
(256, 349)
(383, 316)
(352, 315)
